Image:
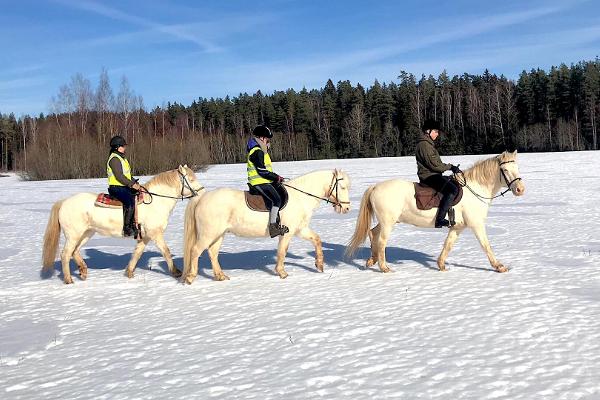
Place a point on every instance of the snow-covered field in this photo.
(349, 333)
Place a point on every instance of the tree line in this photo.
(554, 110)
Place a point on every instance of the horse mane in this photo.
(168, 178)
(485, 170)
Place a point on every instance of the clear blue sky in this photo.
(181, 50)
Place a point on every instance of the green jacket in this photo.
(428, 159)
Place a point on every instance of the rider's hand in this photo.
(280, 179)
(136, 186)
(455, 169)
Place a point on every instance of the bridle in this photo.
(503, 174)
(184, 184)
(333, 187)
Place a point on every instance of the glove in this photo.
(136, 186)
(455, 169)
(280, 179)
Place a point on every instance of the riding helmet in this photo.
(430, 124)
(262, 131)
(117, 141)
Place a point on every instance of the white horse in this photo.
(209, 218)
(393, 201)
(80, 219)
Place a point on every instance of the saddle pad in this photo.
(105, 200)
(428, 198)
(256, 202)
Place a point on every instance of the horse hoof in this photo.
(385, 270)
(221, 277)
(83, 274)
(68, 281)
(189, 280)
(501, 268)
(283, 275)
(176, 273)
(370, 262)
(129, 274)
(319, 267)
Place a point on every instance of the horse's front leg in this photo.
(450, 239)
(481, 235)
(309, 234)
(164, 249)
(135, 257)
(284, 242)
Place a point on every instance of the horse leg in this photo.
(135, 257)
(213, 254)
(384, 235)
(450, 239)
(282, 248)
(309, 234)
(164, 249)
(481, 235)
(373, 238)
(197, 250)
(70, 245)
(83, 270)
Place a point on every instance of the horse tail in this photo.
(363, 223)
(190, 234)
(51, 238)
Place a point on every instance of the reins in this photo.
(334, 186)
(184, 184)
(480, 197)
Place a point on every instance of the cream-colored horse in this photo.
(209, 218)
(80, 219)
(393, 202)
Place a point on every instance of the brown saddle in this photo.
(428, 198)
(256, 202)
(105, 200)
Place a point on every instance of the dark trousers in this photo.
(270, 194)
(447, 187)
(127, 196)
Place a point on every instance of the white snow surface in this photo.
(347, 333)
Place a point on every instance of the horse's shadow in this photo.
(99, 260)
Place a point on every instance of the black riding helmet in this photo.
(262, 131)
(117, 141)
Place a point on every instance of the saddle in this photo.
(105, 200)
(256, 202)
(428, 198)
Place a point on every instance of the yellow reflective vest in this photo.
(253, 177)
(112, 180)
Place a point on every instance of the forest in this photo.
(552, 110)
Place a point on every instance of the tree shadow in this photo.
(98, 260)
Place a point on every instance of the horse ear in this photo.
(185, 166)
(514, 153)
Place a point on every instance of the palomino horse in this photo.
(80, 219)
(208, 218)
(393, 201)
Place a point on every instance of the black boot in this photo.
(277, 230)
(440, 218)
(129, 228)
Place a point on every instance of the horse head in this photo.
(189, 184)
(339, 193)
(509, 172)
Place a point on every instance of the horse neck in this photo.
(165, 190)
(316, 183)
(491, 186)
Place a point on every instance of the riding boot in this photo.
(440, 218)
(277, 230)
(129, 228)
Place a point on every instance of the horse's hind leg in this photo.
(374, 238)
(70, 246)
(309, 234)
(189, 275)
(384, 234)
(450, 239)
(83, 270)
(213, 254)
(135, 257)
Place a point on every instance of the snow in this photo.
(348, 333)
